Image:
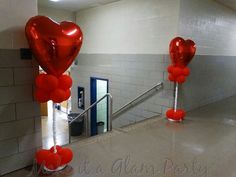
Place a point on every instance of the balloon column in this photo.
(55, 47)
(181, 53)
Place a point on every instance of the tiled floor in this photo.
(202, 146)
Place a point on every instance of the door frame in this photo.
(93, 98)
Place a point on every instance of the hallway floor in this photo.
(204, 145)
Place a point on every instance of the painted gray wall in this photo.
(129, 75)
(212, 78)
(20, 122)
(58, 15)
(207, 22)
(210, 24)
(129, 27)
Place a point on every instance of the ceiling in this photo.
(229, 3)
(74, 5)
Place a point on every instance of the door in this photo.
(99, 113)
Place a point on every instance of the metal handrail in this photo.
(157, 87)
(113, 116)
(108, 95)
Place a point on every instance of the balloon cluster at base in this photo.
(177, 115)
(52, 160)
(50, 87)
(178, 74)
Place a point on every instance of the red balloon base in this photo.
(175, 116)
(54, 161)
(58, 169)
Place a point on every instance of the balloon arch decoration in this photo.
(55, 47)
(181, 53)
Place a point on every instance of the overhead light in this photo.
(54, 0)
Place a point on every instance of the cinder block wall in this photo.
(20, 123)
(209, 83)
(129, 48)
(129, 75)
(213, 67)
(139, 35)
(58, 15)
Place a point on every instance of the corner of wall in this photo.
(20, 122)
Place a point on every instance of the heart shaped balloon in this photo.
(54, 45)
(182, 51)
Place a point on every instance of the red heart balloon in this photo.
(54, 45)
(182, 51)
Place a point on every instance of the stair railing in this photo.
(115, 115)
(88, 121)
(125, 108)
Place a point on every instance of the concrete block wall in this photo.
(20, 125)
(211, 80)
(127, 42)
(58, 15)
(13, 16)
(210, 24)
(129, 27)
(129, 75)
